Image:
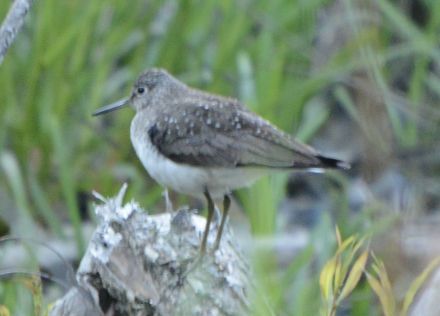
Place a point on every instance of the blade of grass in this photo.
(43, 205)
(67, 182)
(11, 170)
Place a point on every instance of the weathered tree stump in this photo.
(137, 264)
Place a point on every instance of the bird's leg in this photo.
(208, 222)
(226, 205)
(202, 250)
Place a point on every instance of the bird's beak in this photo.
(112, 107)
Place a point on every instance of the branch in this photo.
(12, 24)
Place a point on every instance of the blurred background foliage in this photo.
(357, 79)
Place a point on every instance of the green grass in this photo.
(73, 57)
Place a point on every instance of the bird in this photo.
(206, 145)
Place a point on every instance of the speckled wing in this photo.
(223, 133)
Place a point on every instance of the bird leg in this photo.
(208, 221)
(202, 251)
(226, 205)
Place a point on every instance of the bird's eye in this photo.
(141, 90)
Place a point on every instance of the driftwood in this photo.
(138, 264)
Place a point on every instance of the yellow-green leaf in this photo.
(416, 285)
(354, 275)
(338, 275)
(4, 311)
(338, 236)
(352, 252)
(326, 277)
(347, 242)
(383, 275)
(388, 306)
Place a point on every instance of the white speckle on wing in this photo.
(168, 131)
(236, 119)
(258, 131)
(238, 126)
(208, 121)
(166, 118)
(217, 125)
(206, 107)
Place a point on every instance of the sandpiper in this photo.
(206, 145)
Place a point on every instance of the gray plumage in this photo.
(196, 128)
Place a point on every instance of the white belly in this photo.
(189, 180)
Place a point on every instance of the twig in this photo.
(12, 24)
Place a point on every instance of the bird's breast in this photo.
(183, 178)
